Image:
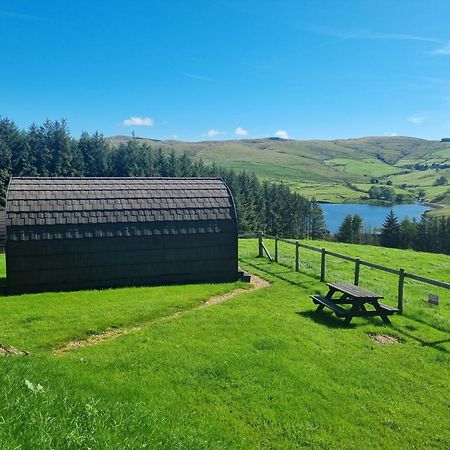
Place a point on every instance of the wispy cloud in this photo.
(282, 134)
(442, 51)
(343, 35)
(195, 76)
(13, 15)
(373, 35)
(239, 131)
(138, 122)
(416, 119)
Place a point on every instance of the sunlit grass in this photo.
(263, 370)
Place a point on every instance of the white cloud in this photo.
(240, 131)
(372, 35)
(13, 15)
(213, 133)
(344, 35)
(282, 134)
(444, 50)
(138, 122)
(195, 76)
(416, 119)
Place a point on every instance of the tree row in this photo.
(50, 150)
(430, 234)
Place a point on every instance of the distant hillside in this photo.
(338, 170)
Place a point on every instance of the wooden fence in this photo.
(401, 273)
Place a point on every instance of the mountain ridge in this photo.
(338, 170)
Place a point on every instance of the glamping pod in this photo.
(85, 233)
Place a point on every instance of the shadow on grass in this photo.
(307, 284)
(326, 319)
(433, 344)
(331, 321)
(2, 286)
(424, 322)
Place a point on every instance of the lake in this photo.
(373, 215)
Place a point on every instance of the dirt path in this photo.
(7, 350)
(257, 283)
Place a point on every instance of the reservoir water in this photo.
(373, 215)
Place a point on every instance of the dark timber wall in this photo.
(2, 230)
(81, 233)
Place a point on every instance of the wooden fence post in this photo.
(276, 249)
(401, 283)
(297, 257)
(322, 265)
(260, 247)
(357, 267)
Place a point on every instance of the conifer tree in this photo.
(345, 231)
(61, 147)
(318, 227)
(173, 165)
(356, 229)
(408, 233)
(93, 150)
(40, 150)
(390, 232)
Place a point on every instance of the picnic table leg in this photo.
(356, 307)
(385, 319)
(382, 314)
(328, 295)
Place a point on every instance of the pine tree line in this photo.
(430, 234)
(50, 150)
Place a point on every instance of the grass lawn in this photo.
(430, 265)
(261, 370)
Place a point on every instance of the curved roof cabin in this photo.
(84, 233)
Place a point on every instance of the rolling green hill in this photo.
(336, 171)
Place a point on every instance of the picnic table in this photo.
(355, 296)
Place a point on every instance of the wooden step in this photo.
(244, 276)
(339, 311)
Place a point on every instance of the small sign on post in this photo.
(433, 299)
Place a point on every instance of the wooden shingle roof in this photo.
(76, 206)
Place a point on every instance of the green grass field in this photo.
(262, 370)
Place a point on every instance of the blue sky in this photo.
(225, 69)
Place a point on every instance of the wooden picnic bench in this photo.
(355, 296)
